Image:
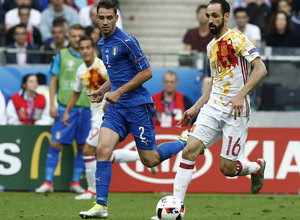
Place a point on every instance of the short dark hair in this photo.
(24, 7)
(240, 9)
(77, 27)
(201, 7)
(58, 21)
(19, 26)
(225, 7)
(85, 37)
(172, 73)
(107, 4)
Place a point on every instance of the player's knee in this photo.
(189, 154)
(103, 153)
(89, 151)
(148, 162)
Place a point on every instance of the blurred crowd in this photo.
(274, 23)
(42, 26)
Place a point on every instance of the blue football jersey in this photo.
(124, 59)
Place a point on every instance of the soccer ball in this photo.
(170, 207)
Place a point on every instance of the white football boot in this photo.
(75, 187)
(44, 188)
(97, 211)
(86, 195)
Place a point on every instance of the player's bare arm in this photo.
(52, 92)
(191, 113)
(72, 101)
(98, 95)
(138, 80)
(258, 73)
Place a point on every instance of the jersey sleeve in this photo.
(244, 47)
(55, 65)
(78, 85)
(103, 70)
(136, 55)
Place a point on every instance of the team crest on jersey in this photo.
(226, 54)
(224, 51)
(115, 50)
(70, 65)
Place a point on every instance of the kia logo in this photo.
(165, 167)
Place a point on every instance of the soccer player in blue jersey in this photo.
(130, 108)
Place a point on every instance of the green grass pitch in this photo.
(140, 206)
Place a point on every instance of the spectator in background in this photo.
(280, 31)
(27, 106)
(285, 6)
(33, 33)
(58, 9)
(22, 57)
(3, 118)
(11, 4)
(93, 17)
(259, 13)
(251, 31)
(198, 38)
(295, 16)
(12, 16)
(58, 41)
(169, 103)
(96, 35)
(244, 3)
(86, 20)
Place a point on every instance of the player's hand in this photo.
(66, 119)
(188, 117)
(96, 96)
(237, 106)
(53, 112)
(113, 97)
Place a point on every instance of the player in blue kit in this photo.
(130, 108)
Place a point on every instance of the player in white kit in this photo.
(225, 105)
(90, 76)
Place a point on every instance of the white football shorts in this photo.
(212, 125)
(93, 136)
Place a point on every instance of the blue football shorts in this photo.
(80, 120)
(137, 120)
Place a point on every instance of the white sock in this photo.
(245, 167)
(183, 178)
(90, 170)
(121, 156)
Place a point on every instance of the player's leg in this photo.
(89, 152)
(186, 167)
(142, 128)
(233, 161)
(89, 157)
(78, 168)
(51, 164)
(206, 131)
(60, 135)
(113, 129)
(108, 140)
(83, 127)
